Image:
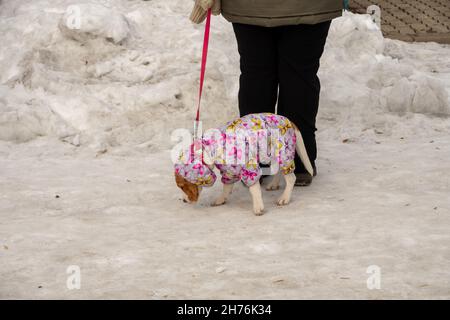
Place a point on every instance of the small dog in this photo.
(238, 162)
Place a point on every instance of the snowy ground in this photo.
(86, 177)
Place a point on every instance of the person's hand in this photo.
(201, 7)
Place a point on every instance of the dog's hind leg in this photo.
(274, 183)
(286, 196)
(258, 204)
(227, 189)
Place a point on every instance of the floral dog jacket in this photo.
(237, 149)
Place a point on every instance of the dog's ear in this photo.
(179, 180)
(191, 190)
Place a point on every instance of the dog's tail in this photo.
(301, 150)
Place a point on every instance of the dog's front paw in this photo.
(219, 202)
(283, 200)
(258, 209)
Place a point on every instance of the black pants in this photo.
(281, 63)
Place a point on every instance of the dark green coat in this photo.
(272, 13)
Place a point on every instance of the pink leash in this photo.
(204, 57)
(197, 146)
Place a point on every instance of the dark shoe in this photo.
(304, 179)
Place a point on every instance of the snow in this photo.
(91, 21)
(86, 114)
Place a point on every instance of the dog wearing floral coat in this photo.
(236, 150)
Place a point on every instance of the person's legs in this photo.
(300, 48)
(258, 88)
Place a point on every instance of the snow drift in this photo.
(89, 21)
(128, 75)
